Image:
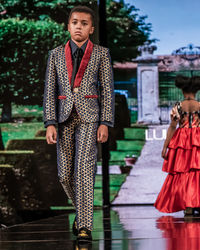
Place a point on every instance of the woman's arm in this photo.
(170, 133)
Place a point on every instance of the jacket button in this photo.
(75, 90)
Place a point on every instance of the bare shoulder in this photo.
(190, 105)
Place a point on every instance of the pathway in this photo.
(146, 178)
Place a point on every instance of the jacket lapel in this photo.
(68, 59)
(83, 65)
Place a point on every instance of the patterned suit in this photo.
(78, 114)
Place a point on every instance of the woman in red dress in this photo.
(181, 189)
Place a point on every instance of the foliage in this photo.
(126, 31)
(27, 111)
(58, 10)
(29, 29)
(24, 50)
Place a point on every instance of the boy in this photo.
(79, 97)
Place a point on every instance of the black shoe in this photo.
(75, 228)
(84, 235)
(189, 211)
(196, 212)
(87, 245)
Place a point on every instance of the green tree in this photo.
(24, 50)
(58, 10)
(27, 33)
(126, 31)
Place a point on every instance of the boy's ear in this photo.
(92, 30)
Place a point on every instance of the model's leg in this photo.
(65, 155)
(85, 169)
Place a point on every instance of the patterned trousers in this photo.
(76, 157)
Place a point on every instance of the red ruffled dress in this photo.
(181, 188)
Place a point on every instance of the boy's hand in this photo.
(102, 133)
(51, 134)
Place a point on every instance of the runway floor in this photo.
(123, 228)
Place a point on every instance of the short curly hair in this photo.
(188, 84)
(82, 9)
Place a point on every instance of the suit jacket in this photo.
(93, 93)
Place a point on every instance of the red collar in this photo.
(83, 65)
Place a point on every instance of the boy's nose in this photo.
(78, 25)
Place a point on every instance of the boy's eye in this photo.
(84, 24)
(74, 22)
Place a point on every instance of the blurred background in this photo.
(150, 43)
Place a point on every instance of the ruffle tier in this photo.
(185, 138)
(183, 151)
(179, 191)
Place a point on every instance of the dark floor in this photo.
(126, 228)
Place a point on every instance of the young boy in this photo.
(79, 98)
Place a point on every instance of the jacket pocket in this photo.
(60, 97)
(91, 96)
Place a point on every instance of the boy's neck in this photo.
(79, 44)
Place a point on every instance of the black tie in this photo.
(78, 54)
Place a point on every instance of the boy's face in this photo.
(80, 26)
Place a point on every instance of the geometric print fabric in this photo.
(97, 81)
(76, 158)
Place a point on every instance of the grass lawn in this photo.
(21, 111)
(20, 130)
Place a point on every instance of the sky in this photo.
(176, 23)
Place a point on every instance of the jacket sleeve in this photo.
(106, 89)
(50, 93)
